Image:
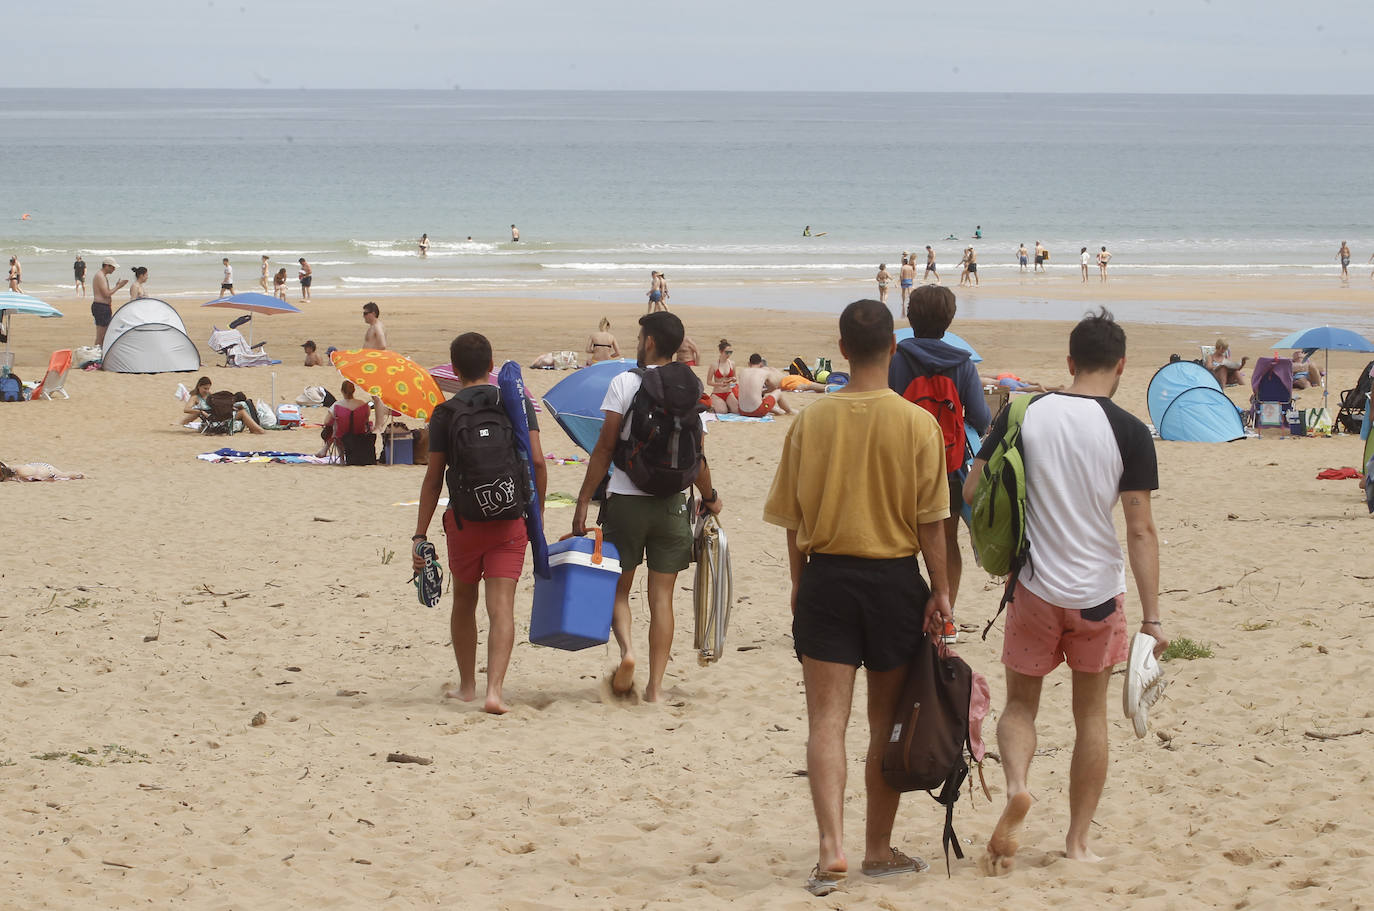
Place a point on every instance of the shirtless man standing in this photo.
(304, 276)
(908, 278)
(1102, 259)
(930, 266)
(758, 390)
(101, 297)
(376, 332)
(1039, 258)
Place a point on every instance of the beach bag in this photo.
(931, 731)
(798, 368)
(11, 388)
(486, 478)
(998, 523)
(938, 394)
(660, 445)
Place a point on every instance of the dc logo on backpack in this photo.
(497, 497)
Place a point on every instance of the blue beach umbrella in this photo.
(12, 302)
(950, 338)
(253, 302)
(1328, 339)
(575, 401)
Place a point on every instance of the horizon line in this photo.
(682, 91)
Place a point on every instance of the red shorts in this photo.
(769, 402)
(485, 550)
(1039, 636)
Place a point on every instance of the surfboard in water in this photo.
(512, 386)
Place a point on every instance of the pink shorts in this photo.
(485, 550)
(1039, 636)
(765, 408)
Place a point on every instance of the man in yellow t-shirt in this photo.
(861, 489)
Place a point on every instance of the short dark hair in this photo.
(931, 309)
(1097, 342)
(866, 330)
(665, 329)
(755, 359)
(470, 354)
(348, 389)
(371, 307)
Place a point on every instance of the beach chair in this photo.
(236, 351)
(1354, 402)
(56, 377)
(352, 442)
(221, 417)
(1271, 392)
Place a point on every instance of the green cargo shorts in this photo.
(656, 525)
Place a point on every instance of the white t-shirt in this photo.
(228, 275)
(1083, 258)
(1081, 452)
(618, 398)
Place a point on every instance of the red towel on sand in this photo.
(1337, 474)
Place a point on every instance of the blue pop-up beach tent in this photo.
(1187, 404)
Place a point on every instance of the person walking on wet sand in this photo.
(1344, 256)
(930, 266)
(861, 490)
(1039, 258)
(1103, 257)
(655, 292)
(79, 273)
(908, 278)
(305, 275)
(16, 275)
(266, 272)
(1083, 454)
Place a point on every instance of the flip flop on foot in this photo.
(823, 882)
(1144, 682)
(895, 864)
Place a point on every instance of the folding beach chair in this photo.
(1272, 391)
(236, 351)
(221, 417)
(56, 377)
(1355, 401)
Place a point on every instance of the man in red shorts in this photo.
(758, 390)
(484, 525)
(1083, 453)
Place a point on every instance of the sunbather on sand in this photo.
(198, 407)
(36, 471)
(1306, 375)
(1224, 367)
(1015, 383)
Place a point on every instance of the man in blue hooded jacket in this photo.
(931, 309)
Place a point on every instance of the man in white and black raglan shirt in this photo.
(1082, 454)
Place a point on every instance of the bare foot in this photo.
(653, 694)
(1083, 854)
(1002, 846)
(466, 691)
(494, 705)
(623, 679)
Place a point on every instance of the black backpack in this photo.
(486, 478)
(660, 443)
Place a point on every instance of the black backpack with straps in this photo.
(660, 447)
(486, 477)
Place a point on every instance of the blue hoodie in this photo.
(933, 355)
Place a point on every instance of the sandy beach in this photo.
(154, 608)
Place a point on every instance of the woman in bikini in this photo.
(723, 382)
(884, 280)
(601, 345)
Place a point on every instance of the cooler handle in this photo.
(596, 549)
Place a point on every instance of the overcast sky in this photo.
(1261, 46)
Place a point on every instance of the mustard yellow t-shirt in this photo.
(859, 471)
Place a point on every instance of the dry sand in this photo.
(283, 590)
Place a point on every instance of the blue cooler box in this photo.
(398, 449)
(573, 609)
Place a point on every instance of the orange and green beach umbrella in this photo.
(398, 381)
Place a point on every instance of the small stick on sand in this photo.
(406, 757)
(1323, 735)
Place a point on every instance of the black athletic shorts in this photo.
(855, 611)
(100, 313)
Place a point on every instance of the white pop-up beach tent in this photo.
(148, 336)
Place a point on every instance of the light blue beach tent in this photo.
(1187, 405)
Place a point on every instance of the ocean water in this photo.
(712, 188)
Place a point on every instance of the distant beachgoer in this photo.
(1069, 602)
(1039, 258)
(655, 530)
(226, 285)
(43, 471)
(601, 345)
(1225, 367)
(973, 265)
(963, 267)
(304, 276)
(655, 292)
(663, 286)
(1083, 262)
(198, 407)
(424, 244)
(687, 352)
(349, 415)
(1022, 256)
(806, 232)
(1015, 383)
(16, 274)
(724, 381)
(490, 553)
(102, 295)
(514, 234)
(1344, 256)
(469, 238)
(908, 277)
(79, 273)
(884, 282)
(978, 233)
(137, 289)
(279, 283)
(1103, 257)
(930, 266)
(759, 391)
(312, 357)
(857, 593)
(266, 270)
(1306, 375)
(375, 337)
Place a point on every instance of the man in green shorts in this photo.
(640, 525)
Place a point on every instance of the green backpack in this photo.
(998, 525)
